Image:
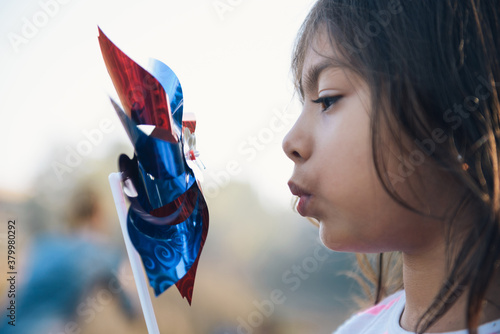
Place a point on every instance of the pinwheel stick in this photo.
(135, 261)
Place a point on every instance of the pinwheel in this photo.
(167, 220)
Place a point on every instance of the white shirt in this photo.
(383, 318)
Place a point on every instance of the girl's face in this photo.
(334, 173)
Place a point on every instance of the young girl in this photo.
(396, 151)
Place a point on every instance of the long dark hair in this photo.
(430, 65)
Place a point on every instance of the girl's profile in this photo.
(396, 155)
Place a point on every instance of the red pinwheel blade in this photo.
(186, 284)
(142, 96)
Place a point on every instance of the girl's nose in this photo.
(297, 142)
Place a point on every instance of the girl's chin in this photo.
(328, 237)
(335, 240)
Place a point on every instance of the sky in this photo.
(232, 58)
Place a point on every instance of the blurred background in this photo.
(263, 269)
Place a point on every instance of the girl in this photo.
(396, 151)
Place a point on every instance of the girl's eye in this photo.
(327, 101)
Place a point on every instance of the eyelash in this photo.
(330, 100)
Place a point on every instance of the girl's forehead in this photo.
(321, 44)
(321, 58)
(322, 51)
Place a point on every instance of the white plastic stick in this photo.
(135, 260)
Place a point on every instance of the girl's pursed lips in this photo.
(296, 190)
(305, 198)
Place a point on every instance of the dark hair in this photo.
(82, 206)
(430, 65)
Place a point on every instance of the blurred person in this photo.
(63, 270)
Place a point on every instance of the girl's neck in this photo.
(423, 276)
(424, 273)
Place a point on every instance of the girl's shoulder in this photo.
(383, 318)
(376, 319)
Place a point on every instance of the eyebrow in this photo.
(309, 82)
